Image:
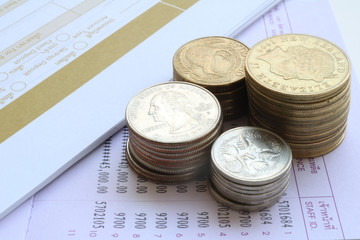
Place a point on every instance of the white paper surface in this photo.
(42, 38)
(101, 198)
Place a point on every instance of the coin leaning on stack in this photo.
(299, 87)
(217, 64)
(171, 128)
(250, 168)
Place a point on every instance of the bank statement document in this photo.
(68, 69)
(100, 197)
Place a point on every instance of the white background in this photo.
(348, 16)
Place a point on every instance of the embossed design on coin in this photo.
(250, 168)
(176, 110)
(296, 66)
(211, 60)
(171, 128)
(250, 154)
(173, 112)
(299, 87)
(244, 154)
(217, 64)
(300, 62)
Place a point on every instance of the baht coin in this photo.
(217, 64)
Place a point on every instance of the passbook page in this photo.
(64, 66)
(100, 197)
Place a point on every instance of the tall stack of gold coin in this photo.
(217, 64)
(171, 128)
(299, 87)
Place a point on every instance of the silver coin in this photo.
(246, 189)
(173, 112)
(170, 159)
(168, 153)
(249, 198)
(160, 177)
(167, 170)
(251, 156)
(239, 206)
(179, 148)
(170, 167)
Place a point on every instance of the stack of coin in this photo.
(250, 168)
(171, 128)
(299, 87)
(217, 64)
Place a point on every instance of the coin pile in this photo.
(250, 168)
(171, 128)
(299, 87)
(217, 64)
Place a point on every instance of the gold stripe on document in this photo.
(52, 90)
(183, 4)
(9, 6)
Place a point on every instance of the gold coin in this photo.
(297, 67)
(309, 138)
(239, 93)
(216, 63)
(313, 137)
(236, 104)
(302, 125)
(308, 151)
(257, 95)
(308, 115)
(228, 116)
(302, 129)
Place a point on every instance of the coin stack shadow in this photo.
(217, 64)
(172, 154)
(250, 168)
(299, 87)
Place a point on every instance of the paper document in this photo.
(102, 198)
(68, 69)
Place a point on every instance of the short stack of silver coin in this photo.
(250, 168)
(171, 128)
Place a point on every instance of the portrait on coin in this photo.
(300, 62)
(212, 61)
(176, 110)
